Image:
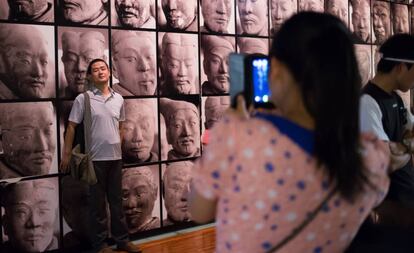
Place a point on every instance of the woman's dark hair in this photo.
(89, 70)
(400, 46)
(318, 50)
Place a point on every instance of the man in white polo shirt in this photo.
(107, 113)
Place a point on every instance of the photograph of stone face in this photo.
(140, 198)
(182, 121)
(252, 17)
(76, 48)
(31, 216)
(215, 76)
(361, 21)
(28, 11)
(381, 21)
(339, 8)
(134, 63)
(83, 12)
(280, 11)
(140, 131)
(400, 18)
(311, 5)
(28, 139)
(133, 14)
(28, 61)
(364, 57)
(217, 17)
(176, 180)
(179, 64)
(177, 16)
(214, 108)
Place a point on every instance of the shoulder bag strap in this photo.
(87, 121)
(301, 226)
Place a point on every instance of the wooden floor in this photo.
(200, 241)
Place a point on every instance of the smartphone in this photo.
(257, 84)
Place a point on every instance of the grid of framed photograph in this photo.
(169, 60)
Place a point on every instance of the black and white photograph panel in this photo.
(177, 15)
(381, 21)
(27, 57)
(217, 16)
(311, 5)
(27, 140)
(179, 64)
(133, 13)
(140, 198)
(83, 12)
(361, 21)
(76, 48)
(248, 45)
(75, 211)
(140, 131)
(182, 120)
(363, 54)
(176, 180)
(412, 19)
(28, 11)
(400, 18)
(30, 217)
(252, 17)
(339, 8)
(280, 11)
(134, 70)
(214, 109)
(215, 76)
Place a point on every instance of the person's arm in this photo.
(202, 210)
(67, 147)
(399, 156)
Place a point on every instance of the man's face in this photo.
(180, 68)
(29, 139)
(135, 66)
(30, 218)
(400, 21)
(138, 132)
(364, 63)
(361, 21)
(216, 68)
(133, 13)
(179, 13)
(312, 5)
(405, 78)
(339, 8)
(27, 9)
(76, 59)
(177, 187)
(80, 11)
(100, 73)
(253, 15)
(27, 64)
(382, 21)
(184, 132)
(138, 199)
(216, 14)
(281, 10)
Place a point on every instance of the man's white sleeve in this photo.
(370, 117)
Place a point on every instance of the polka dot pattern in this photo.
(265, 182)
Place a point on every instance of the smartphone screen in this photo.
(260, 71)
(236, 68)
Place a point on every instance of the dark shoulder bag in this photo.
(80, 164)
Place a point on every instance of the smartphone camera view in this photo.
(260, 70)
